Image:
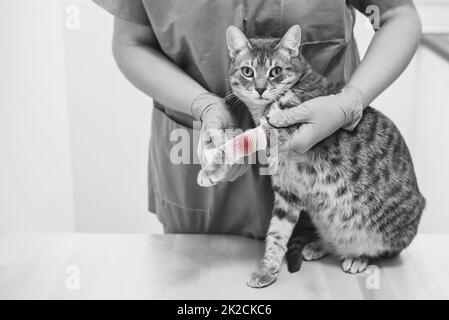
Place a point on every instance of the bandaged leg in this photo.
(240, 146)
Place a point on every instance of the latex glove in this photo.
(215, 118)
(319, 118)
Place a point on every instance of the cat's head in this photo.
(262, 69)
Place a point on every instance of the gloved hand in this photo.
(319, 118)
(215, 118)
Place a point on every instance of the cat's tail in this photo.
(303, 233)
(294, 255)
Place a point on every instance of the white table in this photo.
(139, 266)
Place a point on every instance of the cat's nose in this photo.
(261, 90)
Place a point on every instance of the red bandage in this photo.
(242, 145)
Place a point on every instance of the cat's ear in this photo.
(292, 40)
(236, 40)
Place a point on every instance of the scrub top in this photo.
(192, 34)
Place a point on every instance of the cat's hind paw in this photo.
(354, 265)
(262, 278)
(313, 251)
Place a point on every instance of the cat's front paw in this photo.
(272, 111)
(210, 177)
(289, 98)
(262, 278)
(214, 171)
(205, 179)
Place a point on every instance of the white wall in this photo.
(431, 137)
(418, 102)
(73, 133)
(110, 127)
(35, 161)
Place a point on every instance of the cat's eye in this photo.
(275, 72)
(247, 72)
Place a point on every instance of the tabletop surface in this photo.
(140, 266)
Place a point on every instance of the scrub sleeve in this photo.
(192, 35)
(129, 10)
(363, 5)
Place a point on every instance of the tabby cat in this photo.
(358, 187)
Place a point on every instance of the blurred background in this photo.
(74, 133)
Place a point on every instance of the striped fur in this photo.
(358, 188)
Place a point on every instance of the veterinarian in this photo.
(175, 51)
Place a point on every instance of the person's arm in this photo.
(140, 59)
(389, 53)
(138, 56)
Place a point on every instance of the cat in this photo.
(358, 187)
